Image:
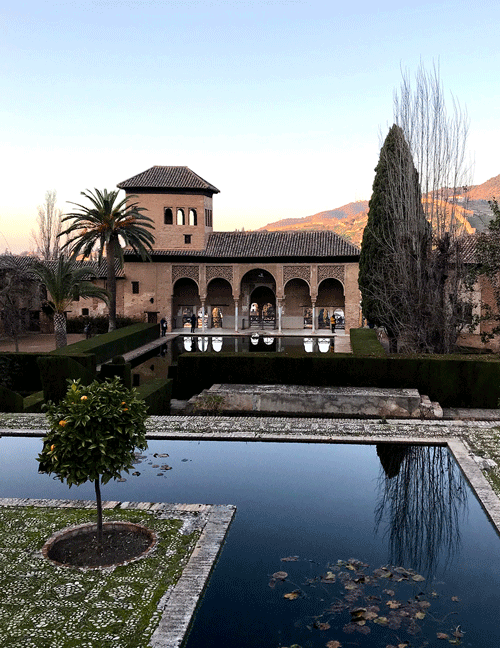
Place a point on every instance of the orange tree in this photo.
(93, 434)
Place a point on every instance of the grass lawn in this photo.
(43, 606)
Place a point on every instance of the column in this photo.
(236, 316)
(314, 317)
(280, 302)
(203, 327)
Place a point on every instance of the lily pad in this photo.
(280, 575)
(291, 596)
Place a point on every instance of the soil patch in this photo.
(81, 550)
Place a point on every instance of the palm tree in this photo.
(66, 280)
(106, 224)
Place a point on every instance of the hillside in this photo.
(350, 220)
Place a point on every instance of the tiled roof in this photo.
(234, 245)
(26, 262)
(168, 177)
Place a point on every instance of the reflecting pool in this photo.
(414, 545)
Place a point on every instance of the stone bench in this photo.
(298, 400)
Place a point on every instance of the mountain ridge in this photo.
(350, 220)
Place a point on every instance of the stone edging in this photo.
(179, 603)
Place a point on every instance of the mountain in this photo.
(350, 220)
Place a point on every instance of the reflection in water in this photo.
(188, 343)
(308, 345)
(217, 343)
(422, 498)
(324, 345)
(254, 338)
(203, 343)
(268, 340)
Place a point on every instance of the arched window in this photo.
(193, 218)
(181, 218)
(168, 217)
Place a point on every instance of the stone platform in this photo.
(298, 400)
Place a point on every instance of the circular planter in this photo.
(140, 540)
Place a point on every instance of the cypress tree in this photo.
(396, 240)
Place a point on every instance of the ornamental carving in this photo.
(331, 272)
(185, 272)
(220, 272)
(296, 272)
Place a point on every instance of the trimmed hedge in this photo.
(156, 394)
(365, 342)
(55, 371)
(19, 371)
(115, 343)
(117, 367)
(10, 401)
(453, 382)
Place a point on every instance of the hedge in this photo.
(115, 343)
(157, 394)
(453, 382)
(55, 371)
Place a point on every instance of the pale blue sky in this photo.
(279, 104)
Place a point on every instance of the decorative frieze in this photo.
(296, 272)
(186, 272)
(331, 272)
(220, 272)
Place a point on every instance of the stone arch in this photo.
(219, 302)
(258, 295)
(185, 301)
(330, 297)
(297, 306)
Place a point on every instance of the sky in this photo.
(281, 104)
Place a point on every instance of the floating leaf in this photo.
(351, 567)
(334, 644)
(280, 575)
(350, 586)
(290, 559)
(383, 621)
(291, 596)
(329, 577)
(420, 615)
(388, 592)
(455, 598)
(322, 626)
(394, 605)
(458, 634)
(442, 635)
(418, 578)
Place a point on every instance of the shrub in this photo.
(98, 323)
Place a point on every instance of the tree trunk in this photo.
(111, 282)
(60, 330)
(99, 513)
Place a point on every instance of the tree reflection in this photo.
(422, 499)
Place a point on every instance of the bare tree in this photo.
(49, 227)
(437, 140)
(18, 291)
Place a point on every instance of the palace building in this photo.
(231, 280)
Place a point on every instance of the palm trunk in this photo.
(111, 281)
(60, 330)
(99, 513)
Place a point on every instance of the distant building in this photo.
(234, 280)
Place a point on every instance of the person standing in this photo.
(163, 325)
(332, 322)
(193, 322)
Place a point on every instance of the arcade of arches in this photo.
(242, 296)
